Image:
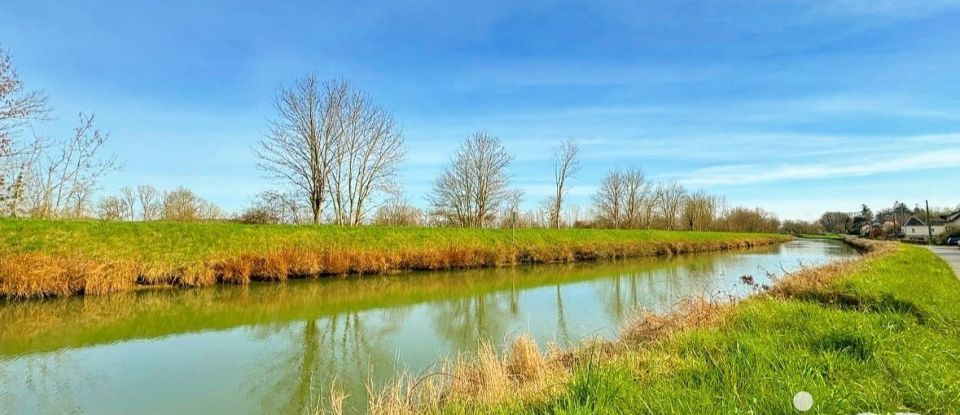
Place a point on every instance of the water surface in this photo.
(275, 347)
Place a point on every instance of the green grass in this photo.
(58, 258)
(186, 242)
(894, 347)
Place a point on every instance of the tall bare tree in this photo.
(670, 197)
(366, 155)
(699, 210)
(636, 199)
(334, 145)
(66, 176)
(299, 149)
(129, 197)
(147, 196)
(17, 107)
(472, 188)
(566, 164)
(610, 198)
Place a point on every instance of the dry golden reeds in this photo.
(37, 274)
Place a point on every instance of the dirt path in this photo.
(951, 254)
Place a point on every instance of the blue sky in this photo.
(796, 106)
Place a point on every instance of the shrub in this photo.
(258, 216)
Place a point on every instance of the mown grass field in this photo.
(57, 258)
(881, 335)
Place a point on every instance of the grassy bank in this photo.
(878, 335)
(47, 259)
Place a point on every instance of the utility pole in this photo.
(929, 228)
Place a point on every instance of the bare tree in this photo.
(566, 164)
(147, 196)
(299, 149)
(112, 208)
(65, 180)
(636, 199)
(182, 205)
(397, 212)
(670, 197)
(287, 207)
(129, 196)
(472, 188)
(331, 141)
(366, 156)
(699, 210)
(610, 198)
(17, 107)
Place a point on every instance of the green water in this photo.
(275, 348)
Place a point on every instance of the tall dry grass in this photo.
(40, 274)
(483, 379)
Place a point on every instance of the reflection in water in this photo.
(276, 348)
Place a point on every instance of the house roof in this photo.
(952, 217)
(914, 221)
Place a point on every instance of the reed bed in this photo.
(54, 259)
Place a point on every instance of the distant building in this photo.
(916, 228)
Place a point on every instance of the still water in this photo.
(275, 348)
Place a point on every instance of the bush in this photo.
(258, 216)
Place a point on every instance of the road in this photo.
(951, 254)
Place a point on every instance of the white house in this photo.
(915, 228)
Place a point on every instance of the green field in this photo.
(56, 258)
(883, 338)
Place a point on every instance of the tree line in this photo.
(883, 222)
(334, 156)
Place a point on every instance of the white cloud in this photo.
(867, 164)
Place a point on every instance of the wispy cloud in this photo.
(866, 164)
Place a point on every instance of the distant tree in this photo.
(397, 212)
(66, 177)
(289, 207)
(129, 196)
(638, 199)
(149, 204)
(798, 227)
(182, 205)
(670, 196)
(699, 210)
(610, 199)
(834, 222)
(112, 208)
(866, 213)
(256, 215)
(741, 219)
(473, 187)
(566, 164)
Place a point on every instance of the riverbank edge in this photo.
(524, 380)
(39, 274)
